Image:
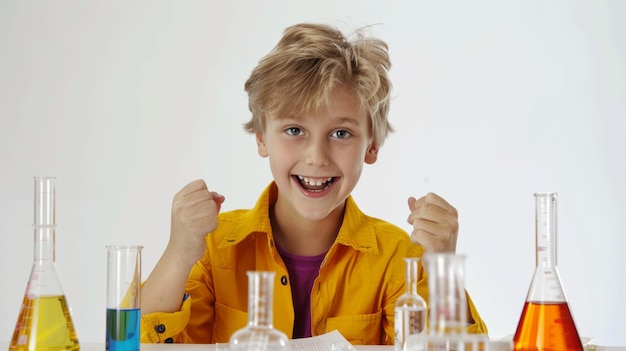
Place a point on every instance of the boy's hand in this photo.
(194, 215)
(435, 223)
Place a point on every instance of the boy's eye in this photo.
(293, 131)
(341, 134)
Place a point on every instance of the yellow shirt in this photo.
(359, 281)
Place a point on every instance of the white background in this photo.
(125, 102)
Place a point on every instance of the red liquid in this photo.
(546, 326)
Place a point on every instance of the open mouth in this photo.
(315, 184)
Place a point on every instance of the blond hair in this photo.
(309, 61)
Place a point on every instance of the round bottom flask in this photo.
(259, 334)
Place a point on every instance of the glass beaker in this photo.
(446, 285)
(546, 322)
(123, 309)
(44, 321)
(259, 334)
(410, 312)
(448, 305)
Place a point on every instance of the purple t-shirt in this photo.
(302, 272)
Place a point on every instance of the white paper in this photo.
(332, 341)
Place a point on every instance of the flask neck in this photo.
(44, 244)
(545, 229)
(411, 275)
(44, 221)
(260, 298)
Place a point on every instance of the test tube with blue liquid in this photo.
(123, 312)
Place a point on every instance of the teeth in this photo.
(315, 181)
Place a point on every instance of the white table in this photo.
(494, 345)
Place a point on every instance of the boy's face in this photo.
(317, 159)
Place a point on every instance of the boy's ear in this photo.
(260, 143)
(372, 154)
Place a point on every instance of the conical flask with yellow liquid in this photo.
(44, 322)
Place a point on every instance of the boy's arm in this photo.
(194, 214)
(192, 322)
(435, 227)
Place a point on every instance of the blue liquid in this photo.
(123, 330)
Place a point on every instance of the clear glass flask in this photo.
(44, 321)
(259, 334)
(410, 313)
(546, 322)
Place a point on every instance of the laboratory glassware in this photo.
(259, 334)
(447, 298)
(410, 312)
(546, 322)
(123, 309)
(44, 321)
(448, 305)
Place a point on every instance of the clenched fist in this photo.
(194, 214)
(435, 223)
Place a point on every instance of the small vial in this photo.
(410, 313)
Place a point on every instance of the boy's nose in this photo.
(317, 153)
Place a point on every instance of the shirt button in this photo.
(169, 341)
(160, 328)
(283, 280)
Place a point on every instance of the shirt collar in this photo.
(357, 229)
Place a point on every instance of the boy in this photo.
(319, 108)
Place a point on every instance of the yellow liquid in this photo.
(44, 324)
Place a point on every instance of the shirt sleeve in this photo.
(159, 327)
(479, 326)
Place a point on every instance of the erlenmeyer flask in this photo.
(546, 322)
(410, 313)
(259, 334)
(44, 321)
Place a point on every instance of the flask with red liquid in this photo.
(546, 322)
